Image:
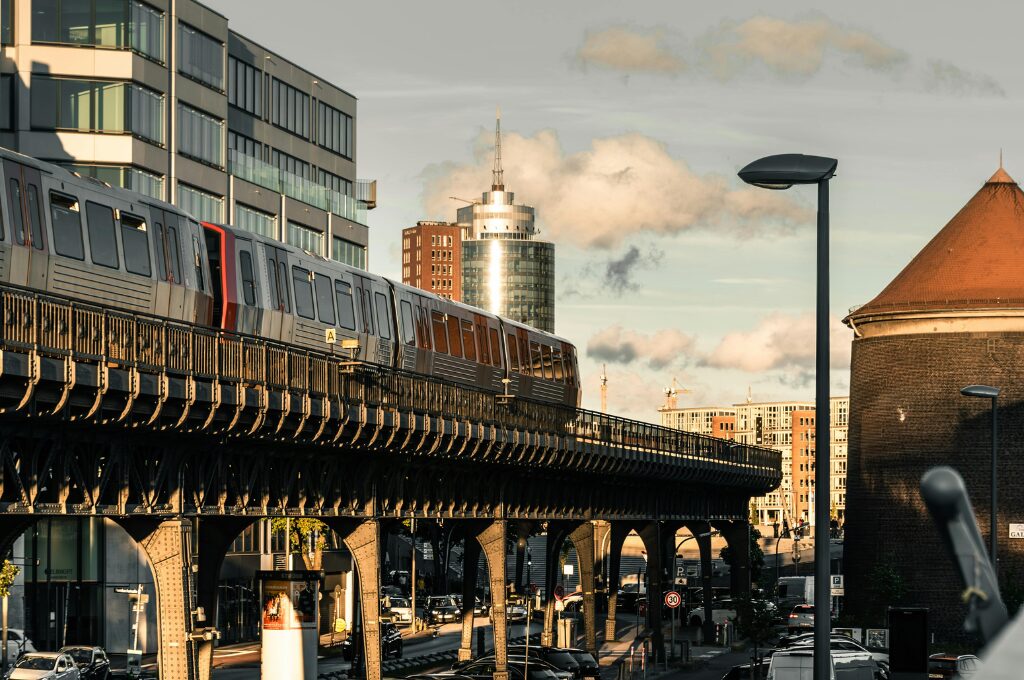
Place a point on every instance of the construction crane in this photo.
(604, 389)
(670, 395)
(474, 201)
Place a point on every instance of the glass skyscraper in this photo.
(505, 268)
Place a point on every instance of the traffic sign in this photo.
(559, 593)
(672, 599)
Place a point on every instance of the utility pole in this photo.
(413, 570)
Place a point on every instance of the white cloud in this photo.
(618, 187)
(942, 76)
(632, 50)
(780, 342)
(658, 350)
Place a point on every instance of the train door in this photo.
(365, 325)
(247, 319)
(170, 279)
(25, 198)
(278, 323)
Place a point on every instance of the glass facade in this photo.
(6, 22)
(335, 183)
(306, 238)
(200, 57)
(6, 102)
(511, 277)
(255, 221)
(347, 252)
(200, 136)
(129, 177)
(96, 106)
(115, 24)
(334, 130)
(202, 205)
(245, 87)
(244, 145)
(290, 109)
(287, 163)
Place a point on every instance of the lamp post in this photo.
(986, 392)
(782, 172)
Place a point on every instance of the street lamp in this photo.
(782, 172)
(986, 392)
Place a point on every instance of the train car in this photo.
(82, 238)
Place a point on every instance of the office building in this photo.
(179, 107)
(714, 421)
(506, 269)
(432, 258)
(953, 317)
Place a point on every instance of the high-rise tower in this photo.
(506, 269)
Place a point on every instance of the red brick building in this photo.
(432, 258)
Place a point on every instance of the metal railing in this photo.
(59, 327)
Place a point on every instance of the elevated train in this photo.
(82, 239)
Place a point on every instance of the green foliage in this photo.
(301, 530)
(755, 619)
(7, 575)
(756, 556)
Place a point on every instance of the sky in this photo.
(625, 126)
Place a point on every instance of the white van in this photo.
(798, 664)
(793, 590)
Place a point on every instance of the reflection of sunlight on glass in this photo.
(494, 277)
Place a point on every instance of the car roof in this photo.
(45, 655)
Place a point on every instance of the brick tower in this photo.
(953, 317)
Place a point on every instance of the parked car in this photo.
(45, 666)
(963, 666)
(400, 609)
(798, 664)
(479, 608)
(483, 669)
(561, 659)
(746, 671)
(18, 644)
(442, 609)
(92, 662)
(390, 643)
(721, 612)
(801, 618)
(515, 609)
(589, 668)
(839, 643)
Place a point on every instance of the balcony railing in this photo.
(301, 189)
(366, 191)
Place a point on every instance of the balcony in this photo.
(366, 191)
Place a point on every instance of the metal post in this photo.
(3, 652)
(413, 571)
(995, 487)
(822, 619)
(526, 658)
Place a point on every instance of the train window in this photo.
(408, 331)
(35, 220)
(136, 245)
(324, 299)
(546, 352)
(275, 298)
(161, 259)
(303, 293)
(537, 363)
(513, 352)
(556, 365)
(197, 255)
(467, 339)
(454, 341)
(346, 310)
(248, 277)
(282, 281)
(481, 339)
(495, 346)
(19, 222)
(383, 316)
(173, 254)
(102, 238)
(423, 327)
(440, 341)
(67, 226)
(367, 312)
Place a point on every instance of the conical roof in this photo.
(975, 262)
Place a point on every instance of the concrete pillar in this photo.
(470, 562)
(492, 541)
(651, 535)
(702, 532)
(737, 535)
(363, 540)
(167, 544)
(619, 531)
(584, 540)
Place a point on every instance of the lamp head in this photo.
(785, 170)
(981, 391)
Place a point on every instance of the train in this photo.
(80, 238)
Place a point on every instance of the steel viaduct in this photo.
(184, 435)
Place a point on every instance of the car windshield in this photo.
(80, 655)
(37, 663)
(561, 659)
(439, 602)
(584, 658)
(399, 602)
(942, 665)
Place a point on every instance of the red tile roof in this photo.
(975, 262)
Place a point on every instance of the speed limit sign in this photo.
(672, 599)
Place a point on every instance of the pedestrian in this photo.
(785, 526)
(775, 528)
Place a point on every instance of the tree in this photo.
(304, 531)
(889, 589)
(756, 556)
(755, 621)
(8, 573)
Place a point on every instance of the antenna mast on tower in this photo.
(498, 175)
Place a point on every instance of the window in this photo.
(455, 342)
(99, 23)
(347, 252)
(6, 22)
(495, 347)
(256, 221)
(334, 130)
(383, 316)
(36, 221)
(467, 339)
(200, 136)
(288, 163)
(346, 310)
(290, 109)
(556, 365)
(198, 203)
(96, 106)
(200, 57)
(283, 282)
(422, 328)
(245, 87)
(483, 350)
(334, 182)
(248, 277)
(6, 98)
(324, 299)
(102, 234)
(247, 146)
(67, 225)
(367, 312)
(146, 31)
(136, 245)
(173, 252)
(538, 362)
(303, 237)
(437, 324)
(19, 225)
(513, 352)
(303, 293)
(408, 329)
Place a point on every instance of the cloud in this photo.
(791, 48)
(618, 345)
(618, 273)
(631, 50)
(620, 186)
(780, 342)
(942, 76)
